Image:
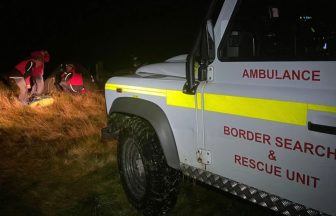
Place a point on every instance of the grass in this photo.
(52, 162)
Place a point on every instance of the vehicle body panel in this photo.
(250, 114)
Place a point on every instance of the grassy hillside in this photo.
(52, 162)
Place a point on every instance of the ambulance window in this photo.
(274, 30)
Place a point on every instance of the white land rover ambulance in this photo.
(251, 111)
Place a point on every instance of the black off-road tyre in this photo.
(149, 183)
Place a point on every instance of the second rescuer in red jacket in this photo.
(72, 81)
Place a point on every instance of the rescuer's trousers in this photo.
(38, 86)
(23, 95)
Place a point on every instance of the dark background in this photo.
(105, 30)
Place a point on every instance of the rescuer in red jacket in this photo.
(72, 81)
(37, 72)
(21, 75)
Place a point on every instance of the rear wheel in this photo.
(150, 184)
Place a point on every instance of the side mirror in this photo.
(207, 45)
(204, 53)
(207, 50)
(210, 37)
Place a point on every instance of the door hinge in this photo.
(210, 74)
(203, 156)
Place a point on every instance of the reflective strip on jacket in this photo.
(76, 79)
(25, 66)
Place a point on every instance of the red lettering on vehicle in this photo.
(245, 161)
(271, 74)
(237, 159)
(242, 134)
(305, 147)
(298, 146)
(254, 73)
(305, 77)
(245, 74)
(267, 139)
(301, 178)
(331, 152)
(262, 74)
(278, 142)
(316, 76)
(260, 166)
(247, 135)
(296, 75)
(286, 75)
(310, 147)
(288, 144)
(258, 137)
(226, 130)
(285, 143)
(271, 169)
(318, 152)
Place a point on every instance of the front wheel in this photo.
(150, 184)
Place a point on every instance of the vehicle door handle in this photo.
(322, 128)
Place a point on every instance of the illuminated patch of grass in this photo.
(52, 162)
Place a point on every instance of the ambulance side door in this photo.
(259, 101)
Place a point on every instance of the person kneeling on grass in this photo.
(72, 81)
(21, 75)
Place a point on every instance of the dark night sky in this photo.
(106, 30)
